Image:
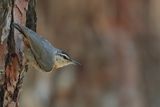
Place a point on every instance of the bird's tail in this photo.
(19, 28)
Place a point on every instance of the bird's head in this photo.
(62, 59)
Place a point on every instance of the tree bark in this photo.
(12, 60)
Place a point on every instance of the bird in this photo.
(40, 53)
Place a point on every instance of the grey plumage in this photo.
(41, 54)
(42, 50)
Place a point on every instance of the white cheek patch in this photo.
(60, 62)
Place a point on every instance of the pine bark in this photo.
(12, 60)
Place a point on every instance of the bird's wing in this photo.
(40, 47)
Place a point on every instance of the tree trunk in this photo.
(12, 60)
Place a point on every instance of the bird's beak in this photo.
(75, 62)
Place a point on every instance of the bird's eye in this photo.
(65, 57)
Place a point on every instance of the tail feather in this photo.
(19, 28)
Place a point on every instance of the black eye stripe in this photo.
(64, 53)
(64, 56)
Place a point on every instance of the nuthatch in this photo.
(42, 53)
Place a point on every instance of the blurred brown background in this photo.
(116, 41)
